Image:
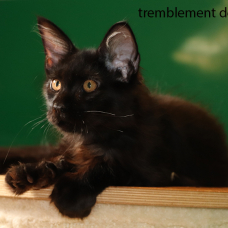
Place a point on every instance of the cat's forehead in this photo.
(84, 60)
(79, 65)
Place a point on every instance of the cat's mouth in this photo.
(61, 122)
(66, 126)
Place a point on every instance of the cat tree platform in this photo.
(121, 207)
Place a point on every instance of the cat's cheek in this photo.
(51, 118)
(49, 96)
(49, 104)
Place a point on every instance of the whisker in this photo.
(86, 128)
(113, 129)
(43, 125)
(19, 133)
(109, 113)
(43, 141)
(83, 122)
(120, 131)
(126, 115)
(34, 119)
(36, 125)
(101, 112)
(39, 122)
(47, 129)
(69, 147)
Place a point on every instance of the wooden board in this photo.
(168, 196)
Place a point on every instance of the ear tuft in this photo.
(120, 51)
(56, 43)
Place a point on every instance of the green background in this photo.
(187, 57)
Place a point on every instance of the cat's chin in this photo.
(65, 126)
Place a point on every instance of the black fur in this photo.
(119, 134)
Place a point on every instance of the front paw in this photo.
(26, 176)
(72, 199)
(18, 179)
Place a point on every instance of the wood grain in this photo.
(170, 196)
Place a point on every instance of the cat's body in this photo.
(114, 131)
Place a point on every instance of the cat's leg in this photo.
(23, 177)
(75, 196)
(28, 154)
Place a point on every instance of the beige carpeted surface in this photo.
(22, 213)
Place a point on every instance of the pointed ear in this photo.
(56, 43)
(119, 50)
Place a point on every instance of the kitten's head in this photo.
(84, 88)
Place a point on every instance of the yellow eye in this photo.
(89, 86)
(56, 85)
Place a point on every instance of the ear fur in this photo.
(56, 43)
(119, 50)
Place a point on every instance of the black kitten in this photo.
(114, 131)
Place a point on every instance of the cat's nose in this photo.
(59, 108)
